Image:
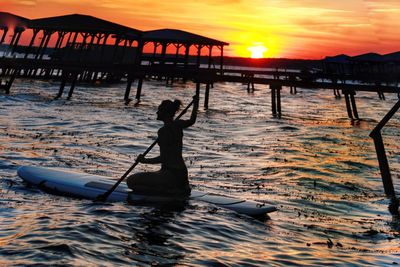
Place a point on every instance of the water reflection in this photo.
(319, 168)
(152, 232)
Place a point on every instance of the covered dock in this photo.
(167, 45)
(81, 48)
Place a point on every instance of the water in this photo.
(316, 165)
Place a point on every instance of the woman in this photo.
(172, 178)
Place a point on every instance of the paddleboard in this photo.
(89, 186)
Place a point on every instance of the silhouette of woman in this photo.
(172, 178)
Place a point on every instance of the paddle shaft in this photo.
(104, 196)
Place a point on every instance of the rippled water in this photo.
(316, 165)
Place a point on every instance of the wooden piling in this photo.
(380, 152)
(62, 86)
(139, 89)
(128, 89)
(273, 102)
(10, 82)
(353, 104)
(337, 94)
(278, 100)
(71, 90)
(383, 165)
(206, 96)
(5, 30)
(348, 105)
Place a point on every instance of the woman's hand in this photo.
(141, 159)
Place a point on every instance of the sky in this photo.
(309, 29)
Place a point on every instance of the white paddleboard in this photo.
(89, 186)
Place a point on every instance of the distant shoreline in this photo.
(282, 63)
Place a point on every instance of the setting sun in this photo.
(257, 51)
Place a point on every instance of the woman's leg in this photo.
(161, 182)
(145, 179)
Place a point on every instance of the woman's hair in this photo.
(170, 107)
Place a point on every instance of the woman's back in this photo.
(170, 141)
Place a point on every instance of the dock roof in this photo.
(342, 58)
(179, 36)
(392, 57)
(368, 57)
(10, 20)
(82, 23)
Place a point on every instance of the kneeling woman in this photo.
(172, 178)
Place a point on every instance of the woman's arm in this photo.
(193, 116)
(142, 159)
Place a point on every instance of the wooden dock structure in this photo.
(73, 72)
(83, 49)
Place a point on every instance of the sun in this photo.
(257, 51)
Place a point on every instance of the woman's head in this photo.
(167, 109)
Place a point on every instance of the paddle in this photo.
(103, 197)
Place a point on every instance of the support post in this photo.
(348, 106)
(163, 53)
(383, 165)
(11, 44)
(139, 89)
(39, 49)
(10, 82)
(278, 100)
(71, 90)
(178, 46)
(381, 95)
(62, 86)
(353, 104)
(380, 152)
(199, 47)
(210, 56)
(128, 89)
(186, 61)
(116, 44)
(5, 29)
(46, 43)
(206, 96)
(60, 34)
(221, 62)
(103, 47)
(293, 88)
(273, 102)
(19, 33)
(71, 46)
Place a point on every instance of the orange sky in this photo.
(287, 28)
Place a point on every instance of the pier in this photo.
(78, 49)
(73, 72)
